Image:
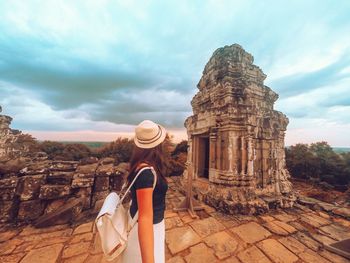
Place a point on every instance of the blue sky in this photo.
(94, 69)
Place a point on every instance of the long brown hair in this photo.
(153, 157)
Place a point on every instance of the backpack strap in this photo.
(137, 175)
(133, 220)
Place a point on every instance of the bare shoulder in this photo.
(143, 165)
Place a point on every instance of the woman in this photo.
(146, 238)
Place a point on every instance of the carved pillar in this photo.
(195, 156)
(230, 153)
(190, 157)
(235, 154)
(250, 167)
(244, 154)
(212, 150)
(218, 149)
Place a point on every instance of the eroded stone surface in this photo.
(181, 238)
(207, 226)
(12, 258)
(5, 236)
(274, 228)
(336, 232)
(83, 228)
(223, 244)
(172, 222)
(75, 249)
(251, 232)
(200, 254)
(276, 251)
(253, 254)
(43, 255)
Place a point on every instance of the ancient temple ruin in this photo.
(236, 138)
(35, 189)
(8, 137)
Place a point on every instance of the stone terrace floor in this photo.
(293, 235)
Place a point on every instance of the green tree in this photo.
(120, 149)
(76, 151)
(54, 150)
(318, 161)
(301, 162)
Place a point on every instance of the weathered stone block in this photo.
(54, 191)
(8, 188)
(87, 169)
(49, 254)
(53, 205)
(65, 166)
(85, 195)
(64, 214)
(82, 180)
(36, 168)
(88, 160)
(345, 212)
(9, 182)
(122, 168)
(29, 210)
(29, 186)
(59, 177)
(116, 182)
(107, 160)
(7, 211)
(99, 196)
(101, 184)
(7, 193)
(105, 170)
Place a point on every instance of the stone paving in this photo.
(292, 235)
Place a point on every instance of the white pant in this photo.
(132, 253)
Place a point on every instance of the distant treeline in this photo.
(319, 162)
(120, 150)
(316, 162)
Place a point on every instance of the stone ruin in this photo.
(48, 192)
(236, 139)
(8, 138)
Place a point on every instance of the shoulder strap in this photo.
(137, 175)
(136, 216)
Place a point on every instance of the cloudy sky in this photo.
(91, 70)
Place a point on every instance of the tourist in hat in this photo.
(146, 238)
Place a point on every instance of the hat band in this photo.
(152, 140)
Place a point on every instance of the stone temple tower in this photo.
(236, 139)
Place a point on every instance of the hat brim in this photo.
(154, 143)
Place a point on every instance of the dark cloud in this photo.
(117, 92)
(304, 82)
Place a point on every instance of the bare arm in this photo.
(145, 221)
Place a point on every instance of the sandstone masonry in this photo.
(236, 138)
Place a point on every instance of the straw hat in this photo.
(149, 134)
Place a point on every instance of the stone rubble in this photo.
(43, 188)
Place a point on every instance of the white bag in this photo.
(113, 223)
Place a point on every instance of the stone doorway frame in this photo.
(201, 155)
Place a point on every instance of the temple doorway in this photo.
(203, 157)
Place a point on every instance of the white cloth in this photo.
(132, 253)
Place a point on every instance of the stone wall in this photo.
(35, 189)
(51, 192)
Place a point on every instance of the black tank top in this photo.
(145, 180)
